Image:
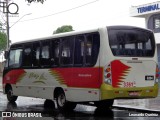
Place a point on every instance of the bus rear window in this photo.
(131, 42)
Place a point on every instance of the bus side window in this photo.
(67, 51)
(45, 54)
(55, 52)
(79, 50)
(92, 48)
(27, 55)
(15, 58)
(36, 54)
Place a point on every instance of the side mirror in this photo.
(6, 54)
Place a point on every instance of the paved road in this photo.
(81, 112)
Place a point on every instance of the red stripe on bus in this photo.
(72, 77)
(13, 76)
(80, 77)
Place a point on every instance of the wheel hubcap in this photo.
(61, 100)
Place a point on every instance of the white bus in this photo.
(97, 66)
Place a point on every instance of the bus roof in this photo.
(77, 32)
(57, 36)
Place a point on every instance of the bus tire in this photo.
(62, 104)
(60, 99)
(104, 104)
(10, 96)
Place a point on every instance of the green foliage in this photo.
(41, 1)
(3, 41)
(64, 28)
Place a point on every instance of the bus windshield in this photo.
(131, 42)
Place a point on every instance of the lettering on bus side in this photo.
(84, 75)
(37, 76)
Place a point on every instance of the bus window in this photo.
(92, 48)
(45, 53)
(135, 43)
(55, 52)
(15, 58)
(79, 50)
(36, 54)
(67, 51)
(27, 56)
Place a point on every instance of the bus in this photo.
(93, 66)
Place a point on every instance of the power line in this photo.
(61, 11)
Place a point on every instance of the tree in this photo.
(64, 28)
(3, 39)
(41, 1)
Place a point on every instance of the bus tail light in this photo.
(157, 74)
(108, 75)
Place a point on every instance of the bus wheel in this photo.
(62, 104)
(10, 96)
(104, 103)
(61, 100)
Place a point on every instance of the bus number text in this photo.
(129, 84)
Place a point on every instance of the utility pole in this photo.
(7, 27)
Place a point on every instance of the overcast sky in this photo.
(81, 14)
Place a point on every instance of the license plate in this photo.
(134, 93)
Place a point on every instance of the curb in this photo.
(137, 109)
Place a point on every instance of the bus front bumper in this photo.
(108, 92)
